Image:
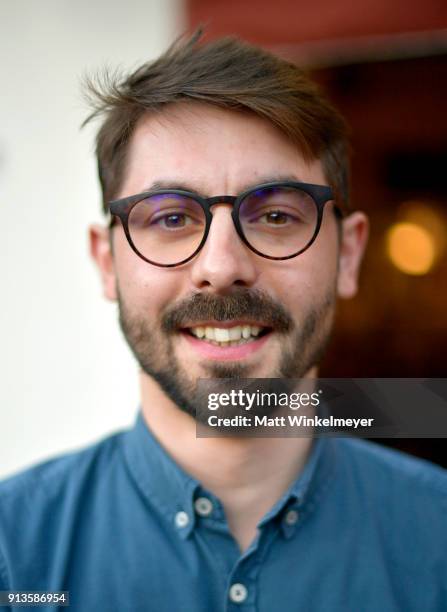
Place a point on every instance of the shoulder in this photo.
(399, 498)
(49, 482)
(41, 505)
(393, 507)
(405, 492)
(392, 466)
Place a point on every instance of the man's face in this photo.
(287, 306)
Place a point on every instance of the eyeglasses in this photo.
(168, 227)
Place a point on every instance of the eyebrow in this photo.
(176, 184)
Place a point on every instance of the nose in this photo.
(224, 261)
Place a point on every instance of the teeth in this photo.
(221, 335)
(235, 332)
(227, 336)
(200, 332)
(230, 343)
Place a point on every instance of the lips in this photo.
(226, 341)
(224, 334)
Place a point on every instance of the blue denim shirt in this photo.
(122, 528)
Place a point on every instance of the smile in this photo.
(226, 340)
(227, 336)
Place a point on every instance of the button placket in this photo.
(243, 580)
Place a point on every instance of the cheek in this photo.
(308, 278)
(143, 287)
(310, 274)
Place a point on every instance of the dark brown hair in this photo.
(228, 73)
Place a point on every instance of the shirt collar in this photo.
(167, 486)
(303, 493)
(163, 482)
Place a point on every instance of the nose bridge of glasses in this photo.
(222, 199)
(224, 202)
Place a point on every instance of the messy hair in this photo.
(228, 73)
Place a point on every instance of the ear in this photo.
(101, 252)
(353, 239)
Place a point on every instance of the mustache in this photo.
(253, 304)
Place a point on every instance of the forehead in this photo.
(215, 150)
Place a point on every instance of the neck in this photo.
(248, 475)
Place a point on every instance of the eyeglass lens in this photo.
(167, 228)
(277, 222)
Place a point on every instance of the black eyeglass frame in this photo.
(320, 194)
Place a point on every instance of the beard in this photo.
(152, 343)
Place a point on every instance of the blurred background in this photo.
(67, 377)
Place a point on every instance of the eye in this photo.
(273, 218)
(280, 208)
(276, 217)
(173, 221)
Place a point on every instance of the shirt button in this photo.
(238, 592)
(181, 519)
(203, 506)
(291, 517)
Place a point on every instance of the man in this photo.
(230, 239)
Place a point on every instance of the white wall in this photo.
(66, 375)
